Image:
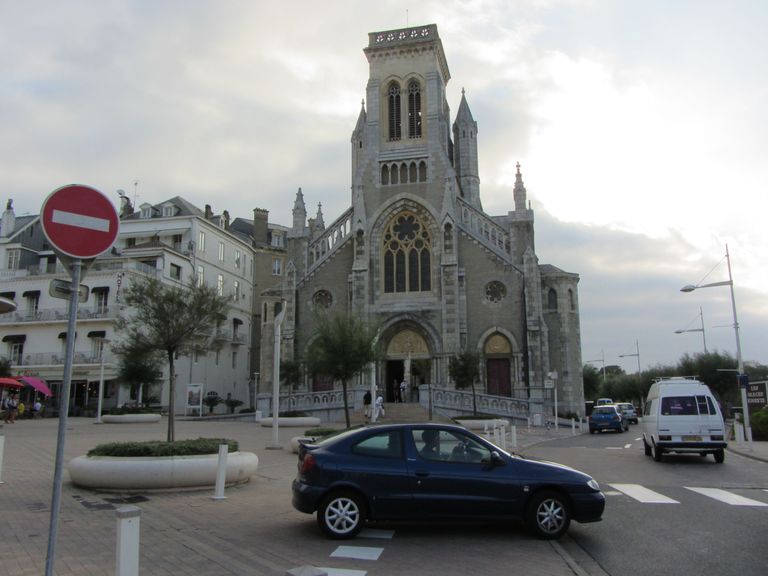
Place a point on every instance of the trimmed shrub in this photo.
(759, 424)
(200, 446)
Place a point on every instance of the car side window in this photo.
(382, 445)
(449, 446)
(702, 402)
(712, 409)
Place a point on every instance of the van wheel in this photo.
(655, 452)
(646, 448)
(719, 456)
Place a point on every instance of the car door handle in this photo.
(422, 473)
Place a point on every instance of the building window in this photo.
(175, 271)
(101, 298)
(414, 110)
(277, 239)
(146, 212)
(234, 359)
(16, 352)
(220, 285)
(407, 255)
(277, 267)
(201, 241)
(552, 300)
(33, 302)
(395, 131)
(236, 291)
(237, 259)
(495, 291)
(167, 211)
(200, 276)
(571, 300)
(14, 259)
(221, 251)
(322, 299)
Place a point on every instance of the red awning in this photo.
(37, 384)
(10, 383)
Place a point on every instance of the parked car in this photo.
(435, 472)
(607, 417)
(682, 415)
(629, 410)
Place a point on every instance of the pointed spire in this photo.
(361, 118)
(299, 213)
(464, 113)
(319, 222)
(519, 192)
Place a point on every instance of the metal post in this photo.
(2, 450)
(101, 380)
(127, 553)
(63, 414)
(221, 473)
(276, 378)
(747, 427)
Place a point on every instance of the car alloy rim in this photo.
(550, 516)
(342, 515)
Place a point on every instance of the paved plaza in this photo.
(254, 530)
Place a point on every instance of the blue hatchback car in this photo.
(608, 417)
(435, 472)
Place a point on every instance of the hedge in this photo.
(152, 448)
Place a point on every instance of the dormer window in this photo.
(146, 211)
(168, 211)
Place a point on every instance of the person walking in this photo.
(11, 408)
(367, 405)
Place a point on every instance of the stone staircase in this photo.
(399, 413)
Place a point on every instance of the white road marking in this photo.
(80, 220)
(614, 448)
(343, 572)
(627, 445)
(357, 552)
(727, 497)
(612, 493)
(638, 439)
(373, 533)
(642, 494)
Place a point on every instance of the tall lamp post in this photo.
(602, 352)
(102, 344)
(741, 378)
(636, 354)
(703, 334)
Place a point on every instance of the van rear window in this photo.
(679, 406)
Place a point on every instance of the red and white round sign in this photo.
(79, 221)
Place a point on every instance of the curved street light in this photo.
(703, 333)
(741, 376)
(636, 354)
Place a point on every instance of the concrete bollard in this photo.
(513, 436)
(2, 450)
(128, 520)
(221, 473)
(573, 426)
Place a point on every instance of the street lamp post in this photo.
(739, 360)
(703, 334)
(602, 352)
(636, 354)
(102, 343)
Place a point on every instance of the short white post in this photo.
(529, 423)
(2, 449)
(513, 436)
(573, 426)
(128, 520)
(221, 473)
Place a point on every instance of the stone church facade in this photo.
(416, 254)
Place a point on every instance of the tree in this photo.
(343, 346)
(138, 367)
(464, 370)
(169, 319)
(5, 367)
(290, 374)
(592, 378)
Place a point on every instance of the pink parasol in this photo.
(10, 383)
(37, 384)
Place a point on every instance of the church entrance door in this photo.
(394, 375)
(498, 377)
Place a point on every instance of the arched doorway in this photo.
(407, 358)
(498, 365)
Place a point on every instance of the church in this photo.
(416, 255)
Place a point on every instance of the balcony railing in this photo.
(60, 314)
(57, 358)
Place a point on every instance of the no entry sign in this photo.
(79, 221)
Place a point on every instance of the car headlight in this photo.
(593, 484)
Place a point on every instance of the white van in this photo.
(682, 415)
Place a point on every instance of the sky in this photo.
(641, 129)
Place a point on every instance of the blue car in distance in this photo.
(608, 417)
(435, 472)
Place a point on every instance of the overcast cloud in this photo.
(641, 128)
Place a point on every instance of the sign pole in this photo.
(63, 413)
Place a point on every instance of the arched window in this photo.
(385, 174)
(395, 132)
(414, 110)
(422, 171)
(571, 300)
(403, 173)
(407, 253)
(552, 300)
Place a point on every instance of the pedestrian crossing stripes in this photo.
(727, 497)
(648, 496)
(343, 572)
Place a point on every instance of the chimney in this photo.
(225, 214)
(208, 212)
(9, 220)
(260, 228)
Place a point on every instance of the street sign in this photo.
(79, 221)
(63, 289)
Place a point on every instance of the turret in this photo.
(465, 153)
(299, 216)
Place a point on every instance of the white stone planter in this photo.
(291, 421)
(130, 418)
(161, 473)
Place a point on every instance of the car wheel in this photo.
(341, 515)
(646, 448)
(592, 430)
(655, 451)
(719, 456)
(621, 429)
(548, 515)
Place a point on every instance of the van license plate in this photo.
(691, 438)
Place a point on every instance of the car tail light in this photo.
(718, 437)
(617, 417)
(665, 438)
(307, 463)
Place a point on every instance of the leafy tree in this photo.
(464, 369)
(5, 367)
(343, 346)
(169, 319)
(138, 367)
(290, 374)
(592, 378)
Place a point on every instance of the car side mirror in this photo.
(496, 459)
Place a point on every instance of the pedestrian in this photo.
(11, 408)
(367, 405)
(379, 407)
(36, 408)
(403, 391)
